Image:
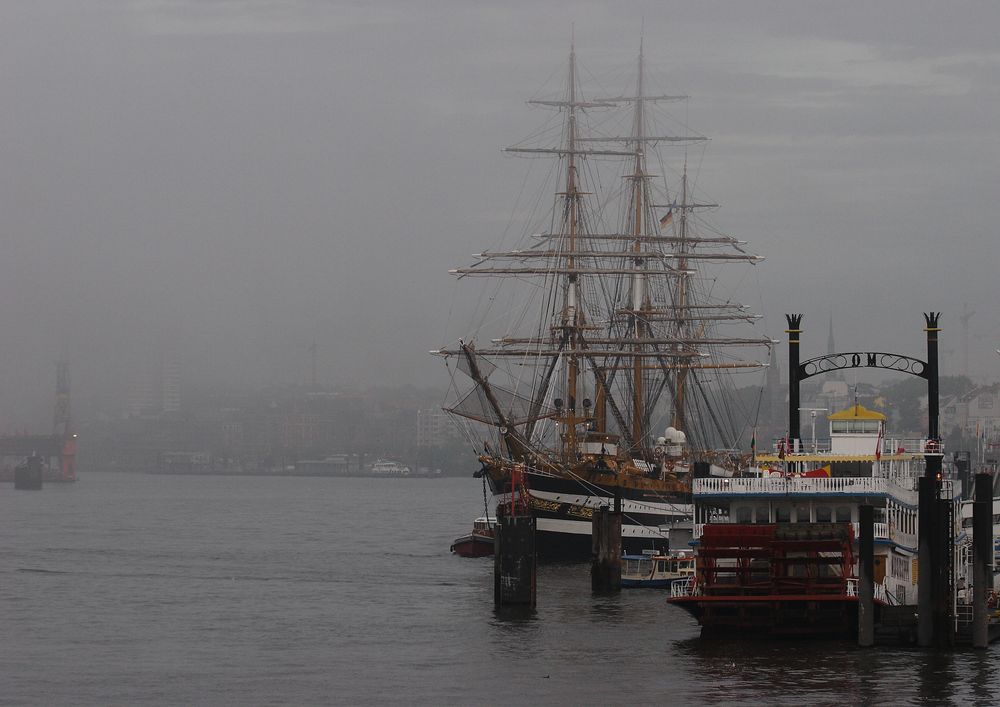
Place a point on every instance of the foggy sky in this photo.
(227, 181)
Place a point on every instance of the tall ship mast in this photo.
(602, 383)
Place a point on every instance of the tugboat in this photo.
(478, 543)
(29, 473)
(777, 547)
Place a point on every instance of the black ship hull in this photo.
(563, 509)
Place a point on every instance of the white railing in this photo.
(782, 485)
(907, 540)
(682, 588)
(881, 531)
(687, 588)
(911, 445)
(930, 446)
(787, 485)
(820, 445)
(908, 445)
(880, 593)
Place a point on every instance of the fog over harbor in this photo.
(225, 183)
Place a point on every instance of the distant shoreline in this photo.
(276, 474)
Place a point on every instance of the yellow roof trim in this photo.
(856, 412)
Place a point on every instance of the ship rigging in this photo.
(616, 332)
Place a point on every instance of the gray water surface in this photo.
(139, 589)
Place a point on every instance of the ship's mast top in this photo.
(571, 318)
(639, 301)
(620, 302)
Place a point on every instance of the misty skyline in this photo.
(229, 181)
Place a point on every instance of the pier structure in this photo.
(606, 537)
(935, 537)
(982, 559)
(514, 561)
(866, 575)
(859, 537)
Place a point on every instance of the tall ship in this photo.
(600, 363)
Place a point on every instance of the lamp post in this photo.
(812, 417)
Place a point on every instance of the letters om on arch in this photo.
(863, 359)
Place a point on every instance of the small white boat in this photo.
(656, 570)
(386, 467)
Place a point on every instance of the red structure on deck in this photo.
(784, 578)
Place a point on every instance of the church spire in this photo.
(831, 348)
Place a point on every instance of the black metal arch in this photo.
(928, 370)
(863, 359)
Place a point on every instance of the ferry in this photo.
(776, 547)
(388, 468)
